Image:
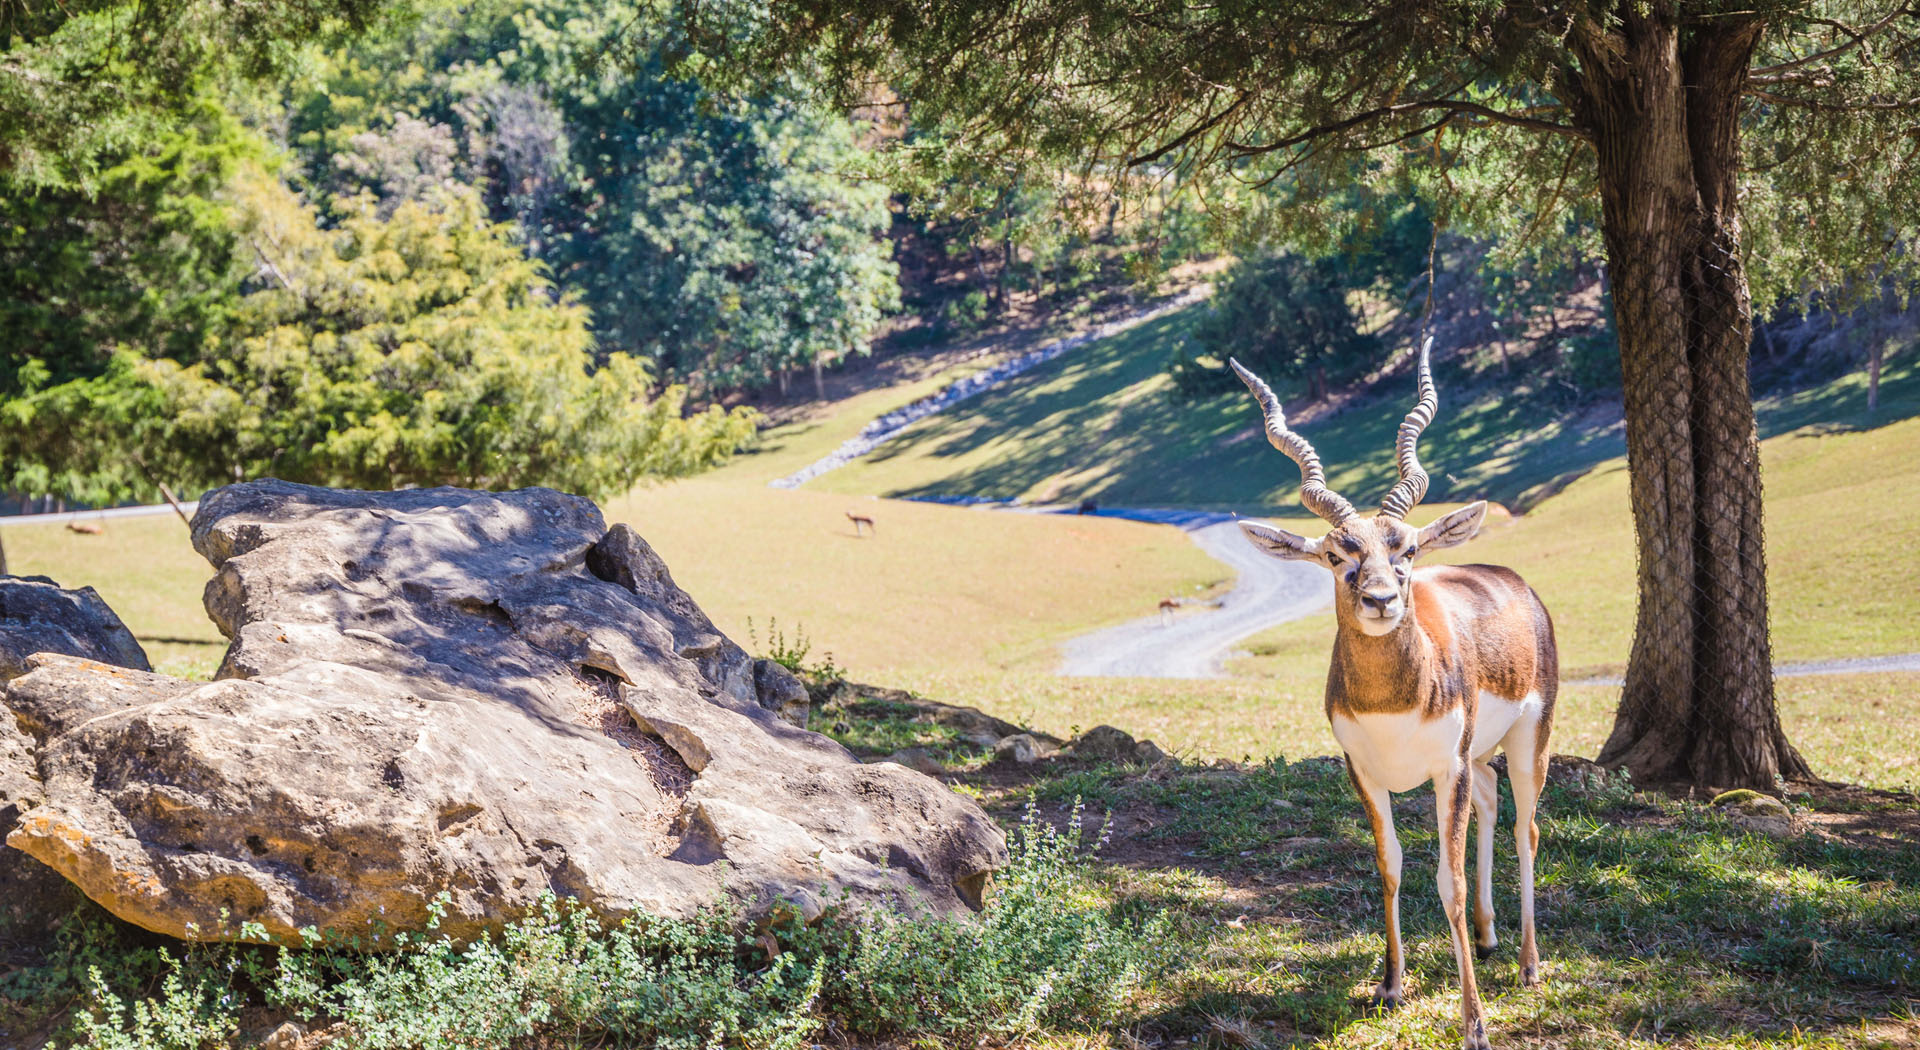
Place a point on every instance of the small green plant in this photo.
(1045, 953)
(196, 1007)
(792, 653)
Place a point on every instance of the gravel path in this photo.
(1195, 643)
(1806, 668)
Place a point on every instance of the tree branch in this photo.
(1453, 106)
(1777, 99)
(1767, 74)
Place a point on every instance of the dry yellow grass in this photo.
(936, 589)
(146, 570)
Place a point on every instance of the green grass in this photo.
(1106, 423)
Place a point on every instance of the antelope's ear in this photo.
(1455, 528)
(1281, 543)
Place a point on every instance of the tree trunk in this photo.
(3, 559)
(1698, 704)
(819, 380)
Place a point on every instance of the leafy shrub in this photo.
(967, 313)
(195, 1008)
(1042, 953)
(1587, 363)
(792, 654)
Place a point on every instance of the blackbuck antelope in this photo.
(860, 520)
(1433, 668)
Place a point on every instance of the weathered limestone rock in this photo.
(1105, 743)
(1752, 811)
(39, 616)
(486, 695)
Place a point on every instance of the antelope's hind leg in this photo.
(1453, 795)
(1526, 748)
(1486, 808)
(1386, 853)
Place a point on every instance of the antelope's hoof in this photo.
(1530, 975)
(1481, 951)
(1386, 998)
(1476, 1037)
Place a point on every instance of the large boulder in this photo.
(39, 616)
(483, 695)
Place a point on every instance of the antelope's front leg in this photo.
(1486, 808)
(1453, 797)
(1386, 852)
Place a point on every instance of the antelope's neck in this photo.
(1384, 673)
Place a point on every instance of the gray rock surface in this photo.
(1108, 744)
(39, 616)
(1021, 748)
(486, 695)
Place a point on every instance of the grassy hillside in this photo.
(1106, 423)
(936, 589)
(968, 605)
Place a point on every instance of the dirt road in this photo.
(1194, 643)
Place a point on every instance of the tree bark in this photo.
(1662, 108)
(3, 559)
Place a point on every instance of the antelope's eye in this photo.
(1333, 559)
(1409, 553)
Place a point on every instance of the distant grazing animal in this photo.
(86, 528)
(1087, 506)
(1167, 606)
(1433, 668)
(859, 520)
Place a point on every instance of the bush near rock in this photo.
(487, 696)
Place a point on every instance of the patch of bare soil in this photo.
(595, 704)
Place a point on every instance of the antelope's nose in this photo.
(1379, 601)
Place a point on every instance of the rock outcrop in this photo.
(38, 616)
(483, 695)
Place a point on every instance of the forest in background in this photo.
(525, 242)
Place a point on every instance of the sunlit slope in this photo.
(1106, 423)
(1825, 492)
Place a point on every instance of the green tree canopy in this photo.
(728, 238)
(419, 349)
(1285, 317)
(87, 81)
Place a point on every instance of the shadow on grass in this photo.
(1658, 918)
(1106, 424)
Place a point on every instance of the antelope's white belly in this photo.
(1403, 750)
